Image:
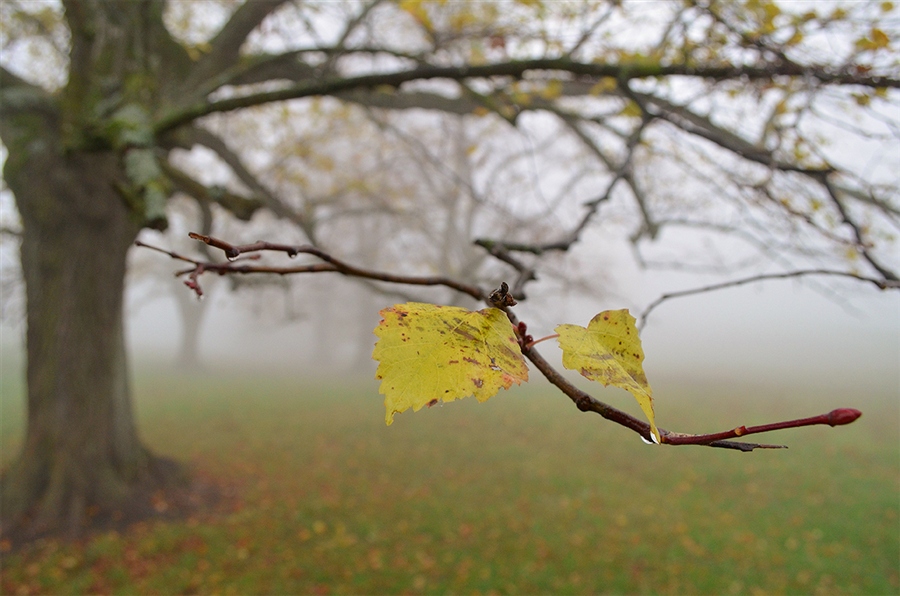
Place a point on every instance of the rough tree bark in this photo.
(82, 201)
(81, 454)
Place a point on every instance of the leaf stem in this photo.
(531, 344)
(584, 401)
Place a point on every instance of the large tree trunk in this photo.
(82, 167)
(81, 460)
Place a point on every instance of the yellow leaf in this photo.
(631, 110)
(604, 85)
(418, 10)
(880, 38)
(796, 38)
(877, 40)
(522, 98)
(552, 90)
(609, 351)
(428, 353)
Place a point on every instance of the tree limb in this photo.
(233, 252)
(620, 172)
(499, 299)
(18, 95)
(226, 45)
(882, 284)
(701, 126)
(201, 136)
(239, 206)
(862, 245)
(516, 69)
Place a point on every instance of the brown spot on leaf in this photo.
(478, 383)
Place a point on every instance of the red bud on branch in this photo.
(842, 416)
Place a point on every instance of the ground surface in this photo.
(522, 494)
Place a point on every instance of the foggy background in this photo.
(764, 334)
(761, 333)
(838, 335)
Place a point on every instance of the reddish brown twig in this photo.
(331, 265)
(500, 298)
(833, 418)
(587, 403)
(233, 251)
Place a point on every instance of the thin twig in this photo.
(587, 403)
(836, 417)
(502, 299)
(883, 284)
(232, 252)
(174, 255)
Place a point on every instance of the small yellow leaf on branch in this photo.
(609, 351)
(428, 353)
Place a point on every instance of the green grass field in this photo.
(522, 494)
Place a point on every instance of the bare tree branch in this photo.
(241, 207)
(515, 69)
(879, 283)
(201, 136)
(500, 298)
(226, 45)
(620, 172)
(350, 27)
(290, 66)
(590, 30)
(701, 126)
(17, 94)
(862, 245)
(868, 198)
(233, 252)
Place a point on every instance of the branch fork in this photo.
(500, 298)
